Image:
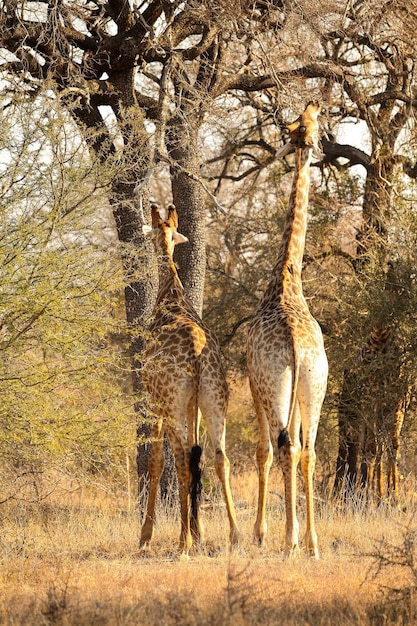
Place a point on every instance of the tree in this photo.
(159, 61)
(155, 82)
(64, 401)
(360, 65)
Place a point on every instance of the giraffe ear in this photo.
(147, 230)
(178, 238)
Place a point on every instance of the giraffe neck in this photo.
(286, 275)
(170, 286)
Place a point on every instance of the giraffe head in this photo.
(304, 132)
(164, 228)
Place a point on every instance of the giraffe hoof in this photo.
(292, 555)
(292, 552)
(234, 537)
(311, 545)
(313, 553)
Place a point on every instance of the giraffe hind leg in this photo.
(308, 461)
(156, 466)
(214, 412)
(223, 472)
(289, 455)
(264, 456)
(217, 433)
(182, 464)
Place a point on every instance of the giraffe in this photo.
(183, 374)
(287, 363)
(372, 408)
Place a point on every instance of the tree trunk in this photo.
(140, 294)
(346, 478)
(189, 198)
(138, 260)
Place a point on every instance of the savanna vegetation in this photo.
(108, 104)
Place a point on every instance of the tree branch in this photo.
(333, 151)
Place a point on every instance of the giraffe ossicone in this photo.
(287, 363)
(183, 375)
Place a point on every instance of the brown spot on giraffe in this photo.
(287, 362)
(183, 374)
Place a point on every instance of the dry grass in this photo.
(76, 561)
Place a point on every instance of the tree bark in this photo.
(189, 198)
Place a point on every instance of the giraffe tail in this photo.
(196, 469)
(284, 437)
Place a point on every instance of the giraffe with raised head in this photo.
(287, 363)
(183, 374)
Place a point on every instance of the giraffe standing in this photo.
(287, 362)
(372, 408)
(373, 431)
(183, 373)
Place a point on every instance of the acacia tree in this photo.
(361, 67)
(372, 61)
(116, 67)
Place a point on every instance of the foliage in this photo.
(62, 372)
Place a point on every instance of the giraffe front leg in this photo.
(156, 466)
(289, 455)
